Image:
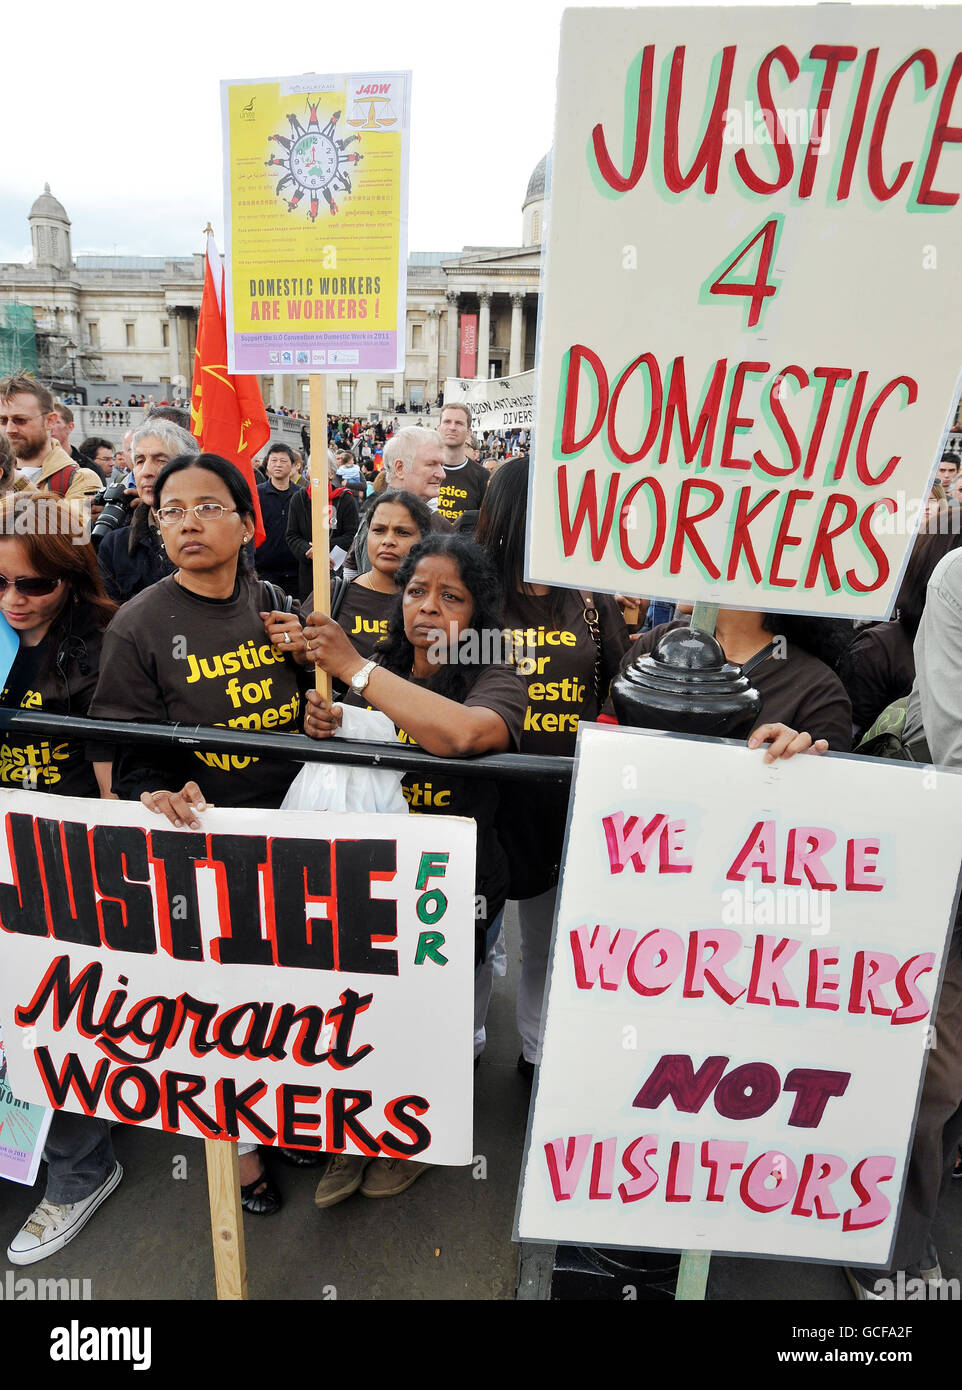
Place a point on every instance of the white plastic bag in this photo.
(337, 787)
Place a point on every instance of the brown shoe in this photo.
(344, 1176)
(387, 1177)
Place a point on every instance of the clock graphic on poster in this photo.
(314, 161)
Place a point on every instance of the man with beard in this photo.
(465, 481)
(28, 416)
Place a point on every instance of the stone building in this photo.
(119, 323)
(105, 319)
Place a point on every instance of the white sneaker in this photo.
(51, 1226)
(929, 1267)
(868, 1292)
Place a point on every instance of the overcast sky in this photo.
(117, 107)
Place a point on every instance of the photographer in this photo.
(131, 557)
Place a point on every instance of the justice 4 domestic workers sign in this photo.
(741, 995)
(304, 980)
(315, 188)
(749, 349)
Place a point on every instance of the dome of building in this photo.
(536, 183)
(49, 206)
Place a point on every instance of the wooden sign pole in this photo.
(223, 1169)
(320, 514)
(226, 1222)
(694, 1265)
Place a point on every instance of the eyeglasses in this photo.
(205, 511)
(32, 587)
(18, 420)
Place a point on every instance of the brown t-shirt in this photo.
(557, 659)
(41, 762)
(432, 793)
(796, 689)
(364, 615)
(462, 490)
(172, 657)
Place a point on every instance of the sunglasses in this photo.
(31, 588)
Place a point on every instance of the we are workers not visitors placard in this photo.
(749, 351)
(284, 978)
(741, 995)
(315, 189)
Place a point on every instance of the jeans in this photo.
(939, 1124)
(536, 916)
(484, 979)
(80, 1157)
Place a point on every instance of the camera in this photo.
(113, 499)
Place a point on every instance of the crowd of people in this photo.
(427, 548)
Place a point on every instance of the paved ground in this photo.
(448, 1237)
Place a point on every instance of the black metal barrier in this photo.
(583, 1280)
(399, 757)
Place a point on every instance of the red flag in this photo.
(227, 415)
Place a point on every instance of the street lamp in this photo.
(72, 359)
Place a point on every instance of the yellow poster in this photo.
(315, 188)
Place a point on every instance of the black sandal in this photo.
(301, 1158)
(262, 1196)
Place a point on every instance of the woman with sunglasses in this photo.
(203, 647)
(51, 597)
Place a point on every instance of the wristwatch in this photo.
(360, 678)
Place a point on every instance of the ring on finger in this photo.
(287, 638)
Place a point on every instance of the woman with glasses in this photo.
(438, 676)
(203, 647)
(568, 646)
(52, 600)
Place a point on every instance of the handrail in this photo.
(399, 757)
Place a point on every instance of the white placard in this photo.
(732, 1054)
(279, 977)
(749, 351)
(503, 403)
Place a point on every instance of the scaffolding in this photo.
(18, 339)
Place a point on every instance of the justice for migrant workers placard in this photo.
(315, 189)
(749, 351)
(741, 994)
(304, 980)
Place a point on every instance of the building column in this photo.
(185, 356)
(277, 390)
(484, 336)
(515, 362)
(454, 345)
(431, 388)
